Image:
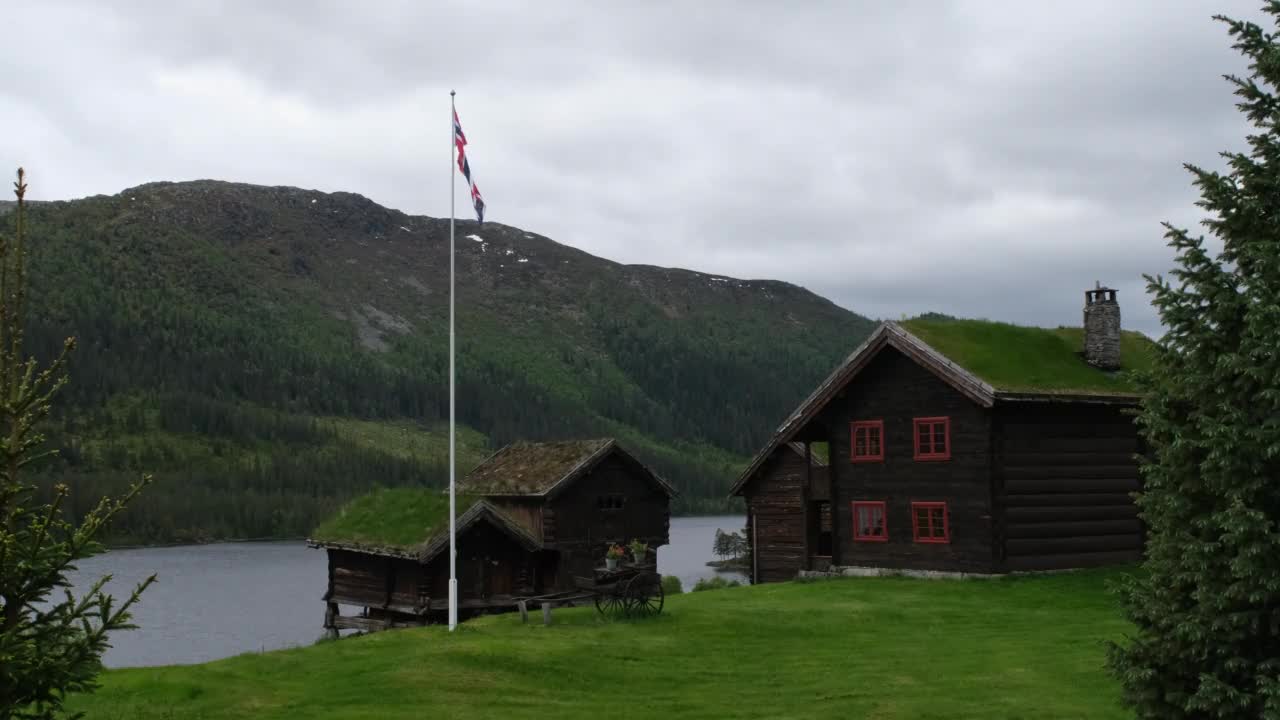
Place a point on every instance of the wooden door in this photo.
(497, 576)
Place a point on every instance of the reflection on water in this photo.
(214, 601)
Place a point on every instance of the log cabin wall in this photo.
(894, 389)
(775, 499)
(584, 518)
(490, 563)
(1063, 476)
(527, 511)
(358, 579)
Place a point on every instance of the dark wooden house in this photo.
(958, 446)
(530, 517)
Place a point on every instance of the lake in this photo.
(215, 601)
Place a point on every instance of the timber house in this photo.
(958, 446)
(529, 518)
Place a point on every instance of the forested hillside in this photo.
(267, 352)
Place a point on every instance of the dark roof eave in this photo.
(1070, 397)
(379, 550)
(440, 541)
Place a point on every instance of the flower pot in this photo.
(638, 557)
(611, 563)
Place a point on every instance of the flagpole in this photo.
(453, 552)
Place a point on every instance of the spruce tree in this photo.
(1206, 605)
(51, 640)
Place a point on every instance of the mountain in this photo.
(268, 351)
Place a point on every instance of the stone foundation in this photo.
(857, 571)
(839, 571)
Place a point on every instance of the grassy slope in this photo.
(867, 648)
(328, 305)
(1014, 357)
(407, 439)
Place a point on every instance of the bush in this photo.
(671, 585)
(715, 583)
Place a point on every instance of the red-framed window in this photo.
(869, 522)
(929, 522)
(932, 438)
(866, 441)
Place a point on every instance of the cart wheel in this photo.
(609, 602)
(644, 595)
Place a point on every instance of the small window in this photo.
(929, 522)
(866, 441)
(609, 502)
(868, 522)
(933, 438)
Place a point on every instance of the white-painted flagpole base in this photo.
(453, 603)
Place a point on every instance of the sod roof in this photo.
(392, 520)
(987, 362)
(1016, 358)
(533, 468)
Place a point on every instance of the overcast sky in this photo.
(978, 158)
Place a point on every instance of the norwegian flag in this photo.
(460, 140)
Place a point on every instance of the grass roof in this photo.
(391, 518)
(1017, 358)
(530, 468)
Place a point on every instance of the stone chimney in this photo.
(1102, 328)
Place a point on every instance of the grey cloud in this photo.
(984, 159)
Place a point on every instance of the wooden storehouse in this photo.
(958, 446)
(530, 517)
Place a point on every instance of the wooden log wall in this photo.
(1064, 476)
(582, 529)
(490, 563)
(776, 502)
(894, 389)
(357, 578)
(525, 511)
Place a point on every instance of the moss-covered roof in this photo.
(532, 468)
(1016, 358)
(396, 520)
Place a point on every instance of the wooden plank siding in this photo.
(583, 531)
(491, 567)
(775, 499)
(894, 389)
(527, 512)
(1064, 475)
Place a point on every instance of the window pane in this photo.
(873, 441)
(923, 432)
(860, 442)
(868, 521)
(940, 437)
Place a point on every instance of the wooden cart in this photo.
(632, 589)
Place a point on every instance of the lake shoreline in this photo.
(218, 599)
(150, 546)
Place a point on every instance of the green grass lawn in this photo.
(1027, 647)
